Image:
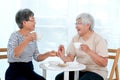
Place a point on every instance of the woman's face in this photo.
(30, 24)
(81, 28)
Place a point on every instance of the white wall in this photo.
(57, 21)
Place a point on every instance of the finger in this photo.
(53, 54)
(57, 54)
(52, 51)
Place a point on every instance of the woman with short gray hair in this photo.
(92, 51)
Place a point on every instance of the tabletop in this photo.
(69, 66)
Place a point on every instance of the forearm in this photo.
(42, 57)
(102, 61)
(18, 50)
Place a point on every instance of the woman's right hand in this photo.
(32, 36)
(61, 51)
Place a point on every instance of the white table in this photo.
(71, 66)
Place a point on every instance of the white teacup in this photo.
(77, 45)
(38, 36)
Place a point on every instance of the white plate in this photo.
(53, 63)
(71, 66)
(62, 65)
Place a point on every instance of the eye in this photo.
(78, 23)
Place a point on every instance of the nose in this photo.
(76, 26)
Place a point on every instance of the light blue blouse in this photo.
(31, 50)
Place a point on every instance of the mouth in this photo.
(78, 30)
(33, 26)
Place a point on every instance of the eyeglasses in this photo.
(31, 20)
(78, 23)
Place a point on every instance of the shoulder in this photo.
(98, 38)
(15, 33)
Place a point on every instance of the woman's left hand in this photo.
(85, 48)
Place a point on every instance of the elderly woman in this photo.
(92, 52)
(22, 48)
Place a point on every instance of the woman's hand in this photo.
(85, 48)
(61, 54)
(61, 51)
(52, 53)
(32, 36)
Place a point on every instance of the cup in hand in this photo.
(38, 36)
(77, 44)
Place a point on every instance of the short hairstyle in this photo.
(86, 19)
(23, 15)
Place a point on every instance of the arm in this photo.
(102, 61)
(42, 57)
(18, 49)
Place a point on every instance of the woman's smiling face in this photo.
(80, 27)
(30, 24)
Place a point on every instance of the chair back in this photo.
(3, 56)
(114, 55)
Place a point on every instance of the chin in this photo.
(79, 34)
(33, 29)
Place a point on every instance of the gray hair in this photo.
(86, 19)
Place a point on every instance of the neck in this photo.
(87, 35)
(24, 32)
